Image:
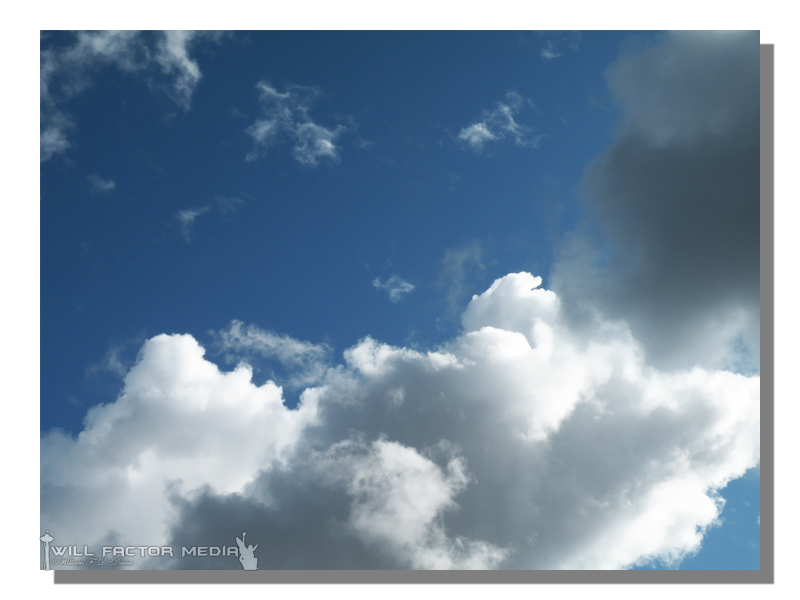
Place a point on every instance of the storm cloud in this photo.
(670, 236)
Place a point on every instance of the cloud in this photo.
(53, 135)
(286, 117)
(98, 185)
(187, 216)
(670, 238)
(476, 135)
(305, 363)
(549, 52)
(552, 47)
(67, 71)
(527, 441)
(178, 419)
(173, 57)
(395, 286)
(456, 266)
(499, 123)
(112, 362)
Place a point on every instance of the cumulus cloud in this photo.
(68, 70)
(178, 419)
(527, 441)
(396, 287)
(286, 116)
(98, 185)
(670, 238)
(498, 124)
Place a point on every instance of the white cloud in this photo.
(549, 52)
(187, 217)
(286, 115)
(173, 56)
(98, 185)
(307, 363)
(68, 71)
(179, 420)
(476, 135)
(53, 135)
(396, 287)
(528, 441)
(315, 142)
(398, 498)
(553, 47)
(498, 124)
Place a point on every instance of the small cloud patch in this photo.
(499, 124)
(396, 287)
(98, 185)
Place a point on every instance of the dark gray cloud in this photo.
(671, 235)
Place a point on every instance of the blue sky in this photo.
(280, 197)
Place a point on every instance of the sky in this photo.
(402, 300)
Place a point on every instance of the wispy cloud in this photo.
(395, 287)
(498, 124)
(549, 52)
(557, 42)
(187, 217)
(173, 57)
(53, 134)
(65, 72)
(365, 144)
(111, 362)
(305, 362)
(458, 263)
(286, 117)
(98, 185)
(119, 358)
